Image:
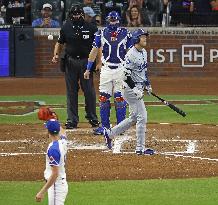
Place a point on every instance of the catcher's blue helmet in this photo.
(136, 35)
(112, 17)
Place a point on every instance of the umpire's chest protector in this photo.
(79, 37)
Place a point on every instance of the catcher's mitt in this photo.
(46, 113)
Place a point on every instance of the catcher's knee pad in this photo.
(120, 107)
(105, 106)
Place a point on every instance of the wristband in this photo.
(89, 65)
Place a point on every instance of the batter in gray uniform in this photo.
(134, 82)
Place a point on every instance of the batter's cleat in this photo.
(108, 140)
(145, 152)
(94, 123)
(70, 125)
(98, 131)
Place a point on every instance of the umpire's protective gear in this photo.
(76, 11)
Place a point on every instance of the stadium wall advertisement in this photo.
(172, 51)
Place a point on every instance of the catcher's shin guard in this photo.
(120, 106)
(105, 106)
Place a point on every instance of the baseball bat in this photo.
(170, 105)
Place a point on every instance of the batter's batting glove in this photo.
(149, 89)
(138, 93)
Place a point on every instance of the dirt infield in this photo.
(183, 150)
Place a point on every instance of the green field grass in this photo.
(205, 113)
(152, 192)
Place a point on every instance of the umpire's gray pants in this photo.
(138, 116)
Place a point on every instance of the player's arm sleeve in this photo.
(147, 81)
(61, 38)
(127, 73)
(97, 40)
(54, 157)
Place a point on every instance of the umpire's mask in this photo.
(76, 14)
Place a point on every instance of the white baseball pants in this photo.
(111, 80)
(57, 192)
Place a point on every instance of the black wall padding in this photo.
(24, 51)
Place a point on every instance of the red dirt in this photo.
(99, 165)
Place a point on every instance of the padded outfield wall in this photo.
(186, 52)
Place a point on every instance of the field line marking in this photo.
(119, 141)
(5, 154)
(188, 156)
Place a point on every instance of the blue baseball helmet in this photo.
(111, 17)
(53, 126)
(136, 35)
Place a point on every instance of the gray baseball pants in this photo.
(138, 116)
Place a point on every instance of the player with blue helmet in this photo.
(55, 174)
(136, 35)
(134, 82)
(112, 42)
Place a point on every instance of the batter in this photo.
(135, 80)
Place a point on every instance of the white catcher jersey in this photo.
(56, 156)
(136, 66)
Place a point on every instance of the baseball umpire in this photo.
(114, 42)
(134, 83)
(77, 36)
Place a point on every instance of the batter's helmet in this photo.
(136, 35)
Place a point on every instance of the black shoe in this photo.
(70, 125)
(94, 123)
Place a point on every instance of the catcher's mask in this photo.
(113, 20)
(76, 14)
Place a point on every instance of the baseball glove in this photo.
(46, 113)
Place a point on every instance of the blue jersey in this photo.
(56, 156)
(38, 22)
(114, 45)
